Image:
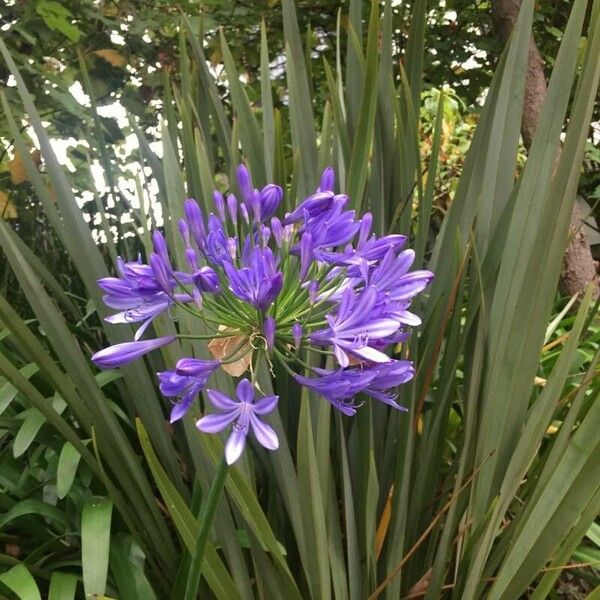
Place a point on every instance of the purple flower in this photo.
(277, 229)
(219, 204)
(355, 325)
(297, 334)
(389, 375)
(331, 229)
(216, 246)
(146, 311)
(391, 276)
(232, 207)
(338, 387)
(370, 250)
(327, 180)
(270, 198)
(365, 228)
(121, 354)
(161, 273)
(346, 290)
(258, 282)
(306, 254)
(206, 280)
(195, 220)
(188, 379)
(269, 332)
(196, 367)
(312, 207)
(140, 294)
(245, 411)
(244, 181)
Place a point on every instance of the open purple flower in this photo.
(338, 387)
(355, 325)
(391, 276)
(188, 379)
(259, 281)
(244, 413)
(387, 376)
(138, 294)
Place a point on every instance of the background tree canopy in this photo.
(130, 52)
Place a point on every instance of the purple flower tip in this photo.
(327, 180)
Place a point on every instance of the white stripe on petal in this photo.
(235, 445)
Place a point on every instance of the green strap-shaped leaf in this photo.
(300, 103)
(62, 586)
(68, 461)
(31, 506)
(95, 543)
(28, 431)
(21, 582)
(252, 142)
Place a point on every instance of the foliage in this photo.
(482, 491)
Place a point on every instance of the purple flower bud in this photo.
(256, 204)
(195, 367)
(232, 247)
(244, 213)
(185, 383)
(305, 254)
(206, 280)
(195, 220)
(197, 296)
(184, 231)
(122, 354)
(271, 196)
(277, 230)
(161, 274)
(288, 230)
(219, 204)
(297, 333)
(265, 234)
(245, 183)
(160, 247)
(327, 180)
(232, 206)
(269, 332)
(192, 258)
(313, 290)
(365, 229)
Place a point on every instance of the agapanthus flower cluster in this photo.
(315, 280)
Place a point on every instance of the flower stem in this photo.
(205, 518)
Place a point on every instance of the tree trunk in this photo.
(579, 268)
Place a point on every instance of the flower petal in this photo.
(245, 391)
(265, 405)
(371, 354)
(264, 433)
(215, 422)
(235, 444)
(341, 356)
(180, 409)
(221, 401)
